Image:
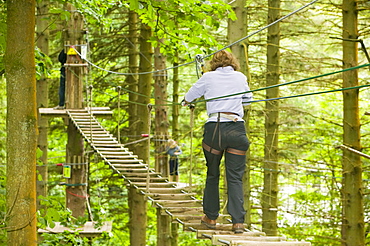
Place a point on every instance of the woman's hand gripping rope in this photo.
(185, 103)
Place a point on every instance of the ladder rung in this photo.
(179, 203)
(135, 171)
(117, 162)
(129, 165)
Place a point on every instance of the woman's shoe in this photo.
(238, 228)
(211, 224)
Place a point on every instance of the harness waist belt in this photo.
(230, 116)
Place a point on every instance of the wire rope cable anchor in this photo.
(199, 60)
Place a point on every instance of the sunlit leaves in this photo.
(190, 22)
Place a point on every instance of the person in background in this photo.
(224, 134)
(62, 80)
(173, 150)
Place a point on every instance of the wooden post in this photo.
(42, 101)
(161, 131)
(137, 213)
(76, 190)
(163, 229)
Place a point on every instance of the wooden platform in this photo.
(96, 111)
(88, 230)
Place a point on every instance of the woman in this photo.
(226, 91)
(173, 150)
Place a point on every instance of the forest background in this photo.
(310, 128)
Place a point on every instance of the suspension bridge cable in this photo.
(283, 84)
(170, 103)
(299, 95)
(269, 87)
(310, 94)
(263, 28)
(293, 96)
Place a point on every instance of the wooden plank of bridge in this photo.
(255, 243)
(215, 238)
(151, 179)
(118, 162)
(124, 155)
(143, 166)
(179, 203)
(154, 185)
(209, 234)
(98, 111)
(176, 196)
(164, 190)
(184, 210)
(135, 172)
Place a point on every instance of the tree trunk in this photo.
(175, 131)
(236, 30)
(144, 88)
(161, 119)
(352, 193)
(161, 133)
(76, 190)
(270, 192)
(42, 100)
(137, 225)
(138, 218)
(21, 123)
(175, 99)
(132, 80)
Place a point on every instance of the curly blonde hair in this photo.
(223, 58)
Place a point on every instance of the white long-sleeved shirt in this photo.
(224, 81)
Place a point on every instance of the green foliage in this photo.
(310, 127)
(182, 25)
(43, 64)
(65, 238)
(54, 211)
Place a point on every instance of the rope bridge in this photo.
(174, 201)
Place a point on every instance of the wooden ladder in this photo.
(174, 201)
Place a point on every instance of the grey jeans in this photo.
(225, 136)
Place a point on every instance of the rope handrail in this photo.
(310, 94)
(268, 87)
(287, 83)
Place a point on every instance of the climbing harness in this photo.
(211, 150)
(232, 117)
(236, 151)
